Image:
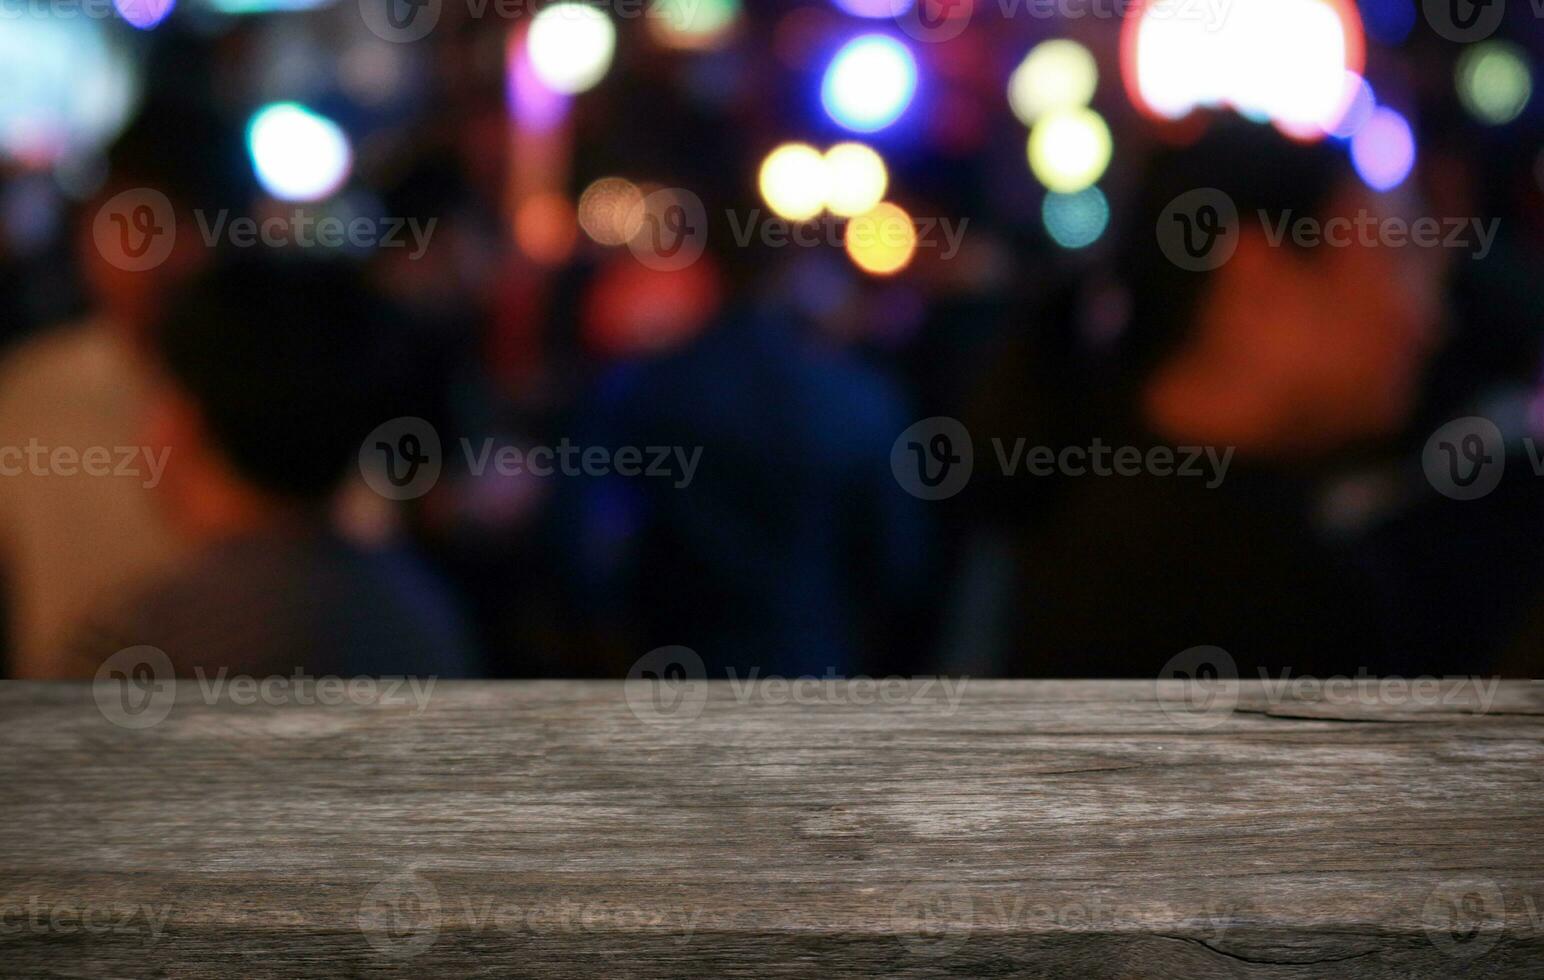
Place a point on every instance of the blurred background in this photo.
(643, 224)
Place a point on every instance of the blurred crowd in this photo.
(754, 497)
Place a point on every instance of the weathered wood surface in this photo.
(1038, 829)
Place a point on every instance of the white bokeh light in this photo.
(1282, 60)
(297, 154)
(571, 46)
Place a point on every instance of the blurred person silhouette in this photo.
(792, 550)
(68, 537)
(1304, 362)
(271, 370)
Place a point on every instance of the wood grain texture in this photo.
(1034, 829)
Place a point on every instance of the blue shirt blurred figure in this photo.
(790, 547)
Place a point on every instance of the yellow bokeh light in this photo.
(881, 241)
(793, 181)
(856, 179)
(609, 210)
(1069, 149)
(1057, 74)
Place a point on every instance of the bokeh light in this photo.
(1281, 60)
(793, 181)
(874, 9)
(546, 229)
(1056, 74)
(533, 104)
(571, 46)
(1383, 151)
(610, 210)
(67, 88)
(1389, 21)
(693, 25)
(1070, 149)
(881, 241)
(1494, 82)
(869, 83)
(144, 14)
(251, 7)
(856, 179)
(297, 154)
(1076, 220)
(1359, 107)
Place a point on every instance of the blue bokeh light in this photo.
(1388, 22)
(1383, 150)
(1076, 220)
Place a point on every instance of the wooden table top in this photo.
(986, 828)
